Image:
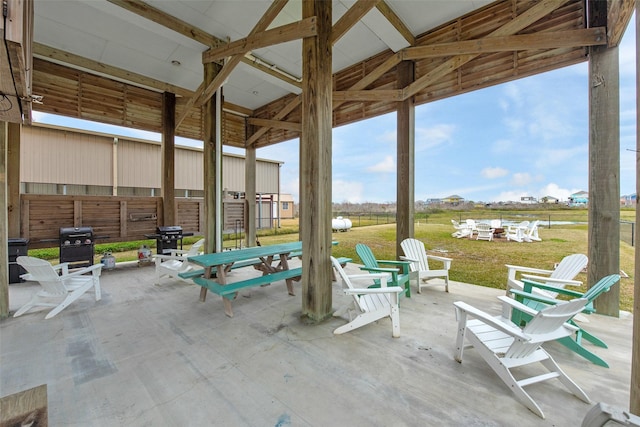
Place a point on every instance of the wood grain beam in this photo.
(159, 17)
(281, 115)
(278, 124)
(140, 8)
(282, 34)
(397, 23)
(61, 56)
(551, 40)
(351, 17)
(528, 17)
(202, 96)
(391, 95)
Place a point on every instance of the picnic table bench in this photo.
(272, 260)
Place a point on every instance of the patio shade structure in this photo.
(250, 74)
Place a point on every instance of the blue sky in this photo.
(529, 137)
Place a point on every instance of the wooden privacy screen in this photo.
(113, 218)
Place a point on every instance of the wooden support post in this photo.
(168, 158)
(13, 178)
(4, 249)
(209, 159)
(250, 195)
(634, 399)
(604, 174)
(405, 180)
(315, 164)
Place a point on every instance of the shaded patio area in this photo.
(155, 355)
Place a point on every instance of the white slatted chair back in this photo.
(414, 249)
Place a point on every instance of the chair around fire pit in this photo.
(58, 284)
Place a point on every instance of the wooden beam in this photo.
(203, 95)
(391, 95)
(397, 23)
(281, 115)
(159, 17)
(351, 17)
(100, 68)
(405, 175)
(634, 395)
(168, 163)
(278, 124)
(282, 34)
(528, 17)
(4, 250)
(571, 38)
(604, 174)
(141, 8)
(14, 131)
(315, 165)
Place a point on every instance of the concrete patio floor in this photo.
(149, 355)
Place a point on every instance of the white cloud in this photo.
(492, 173)
(386, 165)
(433, 136)
(521, 178)
(351, 191)
(554, 190)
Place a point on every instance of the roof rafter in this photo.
(351, 17)
(156, 15)
(397, 23)
(528, 17)
(282, 34)
(550, 40)
(202, 96)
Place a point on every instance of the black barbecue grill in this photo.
(77, 246)
(167, 238)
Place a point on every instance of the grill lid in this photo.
(76, 232)
(169, 229)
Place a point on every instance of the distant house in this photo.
(285, 205)
(528, 200)
(453, 200)
(581, 198)
(628, 200)
(550, 200)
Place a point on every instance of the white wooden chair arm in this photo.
(552, 280)
(369, 276)
(178, 252)
(167, 257)
(95, 269)
(496, 322)
(404, 258)
(446, 261)
(382, 290)
(528, 269)
(64, 266)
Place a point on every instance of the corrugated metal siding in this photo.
(189, 169)
(267, 177)
(63, 157)
(138, 164)
(58, 156)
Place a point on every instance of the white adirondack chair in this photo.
(59, 287)
(505, 346)
(462, 230)
(531, 233)
(176, 262)
(371, 304)
(415, 252)
(561, 276)
(485, 232)
(517, 232)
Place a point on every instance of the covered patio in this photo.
(155, 355)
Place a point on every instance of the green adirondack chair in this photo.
(539, 302)
(399, 270)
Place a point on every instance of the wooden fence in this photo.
(113, 218)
